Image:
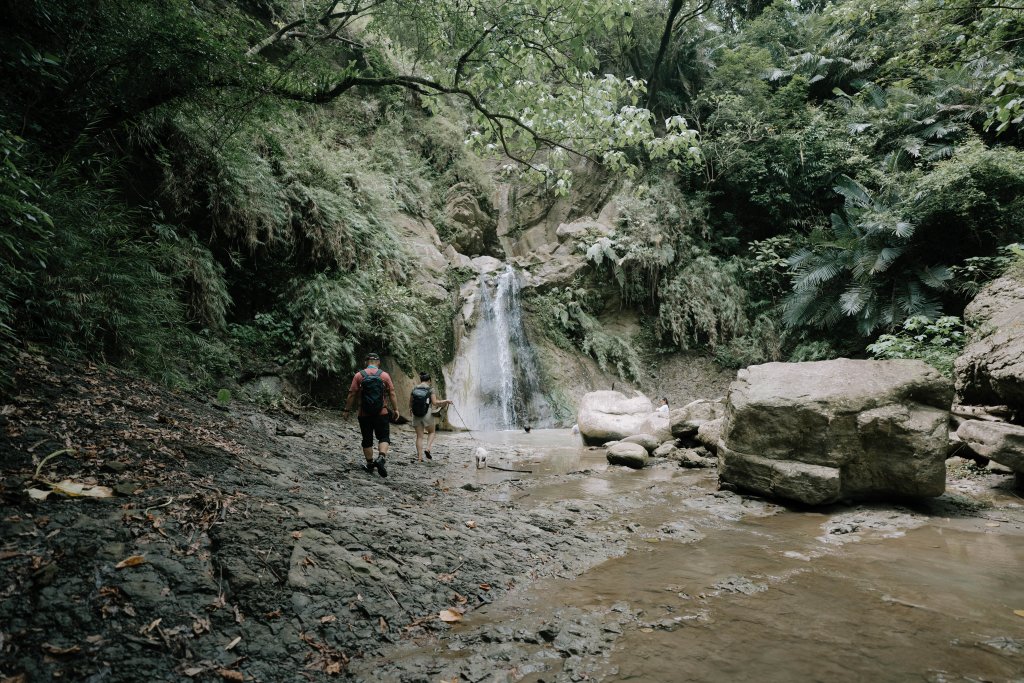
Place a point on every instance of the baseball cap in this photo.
(372, 356)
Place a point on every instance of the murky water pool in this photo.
(867, 593)
(768, 600)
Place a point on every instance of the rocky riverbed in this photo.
(245, 543)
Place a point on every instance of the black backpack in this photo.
(420, 401)
(371, 392)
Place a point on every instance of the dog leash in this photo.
(464, 425)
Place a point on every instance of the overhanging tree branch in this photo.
(426, 86)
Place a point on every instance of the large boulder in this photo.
(990, 371)
(837, 430)
(657, 425)
(709, 434)
(609, 416)
(999, 441)
(629, 454)
(685, 421)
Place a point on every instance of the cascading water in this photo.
(502, 386)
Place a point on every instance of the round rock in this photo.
(629, 454)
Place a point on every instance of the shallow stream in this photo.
(750, 591)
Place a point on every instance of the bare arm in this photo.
(394, 397)
(350, 400)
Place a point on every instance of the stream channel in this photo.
(720, 587)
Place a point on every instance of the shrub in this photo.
(703, 303)
(937, 342)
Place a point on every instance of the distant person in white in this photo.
(663, 408)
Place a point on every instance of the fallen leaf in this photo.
(152, 625)
(1019, 612)
(296, 534)
(193, 671)
(38, 494)
(459, 598)
(94, 640)
(450, 615)
(132, 561)
(328, 619)
(200, 625)
(485, 586)
(77, 489)
(234, 642)
(646, 630)
(471, 524)
(229, 675)
(54, 650)
(20, 678)
(8, 554)
(383, 625)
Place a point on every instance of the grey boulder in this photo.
(837, 430)
(687, 420)
(999, 441)
(628, 454)
(990, 370)
(610, 416)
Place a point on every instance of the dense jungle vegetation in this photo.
(191, 186)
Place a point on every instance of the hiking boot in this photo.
(379, 464)
(427, 453)
(369, 466)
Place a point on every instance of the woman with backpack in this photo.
(422, 403)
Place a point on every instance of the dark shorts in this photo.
(374, 424)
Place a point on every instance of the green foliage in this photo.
(224, 396)
(935, 341)
(703, 303)
(655, 225)
(24, 230)
(566, 317)
(763, 342)
(848, 270)
(975, 272)
(268, 336)
(1007, 100)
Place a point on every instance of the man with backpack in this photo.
(373, 386)
(422, 403)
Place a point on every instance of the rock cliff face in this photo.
(536, 233)
(990, 370)
(836, 430)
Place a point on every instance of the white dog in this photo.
(480, 457)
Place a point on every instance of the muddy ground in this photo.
(242, 543)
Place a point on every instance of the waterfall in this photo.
(504, 389)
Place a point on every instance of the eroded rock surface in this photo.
(629, 454)
(836, 430)
(990, 370)
(999, 441)
(609, 416)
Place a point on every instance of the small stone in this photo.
(126, 488)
